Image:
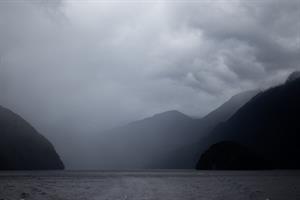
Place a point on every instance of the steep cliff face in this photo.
(22, 147)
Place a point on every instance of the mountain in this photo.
(165, 140)
(146, 143)
(268, 125)
(226, 110)
(187, 156)
(228, 155)
(22, 147)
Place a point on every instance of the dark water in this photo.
(151, 185)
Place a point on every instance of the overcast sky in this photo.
(81, 66)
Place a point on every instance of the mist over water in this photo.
(74, 69)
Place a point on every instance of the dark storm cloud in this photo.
(72, 67)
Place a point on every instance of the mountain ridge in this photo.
(22, 147)
(267, 124)
(164, 140)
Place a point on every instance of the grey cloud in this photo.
(255, 39)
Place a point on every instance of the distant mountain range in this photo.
(258, 125)
(268, 125)
(22, 147)
(165, 140)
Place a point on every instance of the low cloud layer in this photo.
(74, 67)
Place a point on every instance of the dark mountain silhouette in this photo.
(22, 147)
(228, 155)
(268, 124)
(165, 140)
